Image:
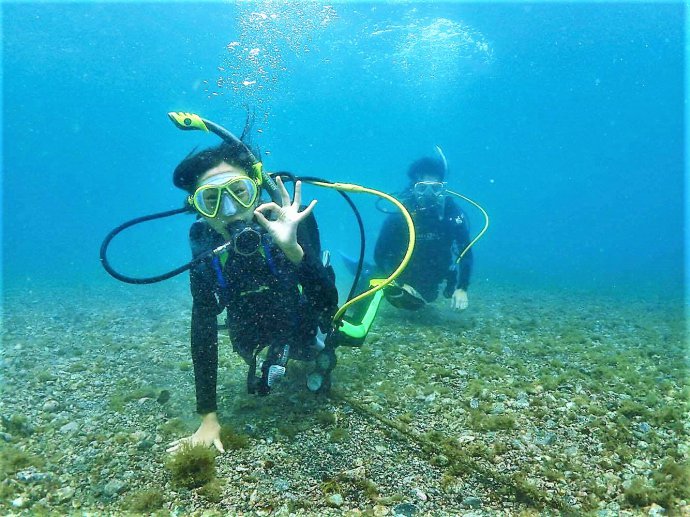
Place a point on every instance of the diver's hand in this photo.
(208, 434)
(459, 300)
(283, 229)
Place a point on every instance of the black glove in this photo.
(448, 291)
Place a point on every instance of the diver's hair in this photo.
(426, 166)
(188, 172)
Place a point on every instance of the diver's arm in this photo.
(204, 326)
(459, 276)
(204, 333)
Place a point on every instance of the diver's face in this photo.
(229, 209)
(428, 191)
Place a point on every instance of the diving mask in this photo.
(429, 188)
(225, 194)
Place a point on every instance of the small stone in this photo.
(417, 492)
(521, 404)
(51, 406)
(472, 502)
(145, 445)
(19, 502)
(655, 510)
(380, 449)
(380, 510)
(545, 438)
(498, 408)
(137, 436)
(405, 509)
(113, 487)
(335, 500)
(639, 464)
(356, 474)
(69, 427)
(281, 485)
(645, 427)
(6, 437)
(474, 403)
(65, 493)
(163, 396)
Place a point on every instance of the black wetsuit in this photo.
(265, 306)
(439, 241)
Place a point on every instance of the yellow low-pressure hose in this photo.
(349, 187)
(479, 235)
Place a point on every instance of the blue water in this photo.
(565, 121)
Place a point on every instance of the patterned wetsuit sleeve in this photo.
(460, 277)
(390, 244)
(318, 282)
(204, 328)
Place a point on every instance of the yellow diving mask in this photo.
(224, 194)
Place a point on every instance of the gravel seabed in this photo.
(575, 396)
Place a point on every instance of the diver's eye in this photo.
(210, 196)
(241, 192)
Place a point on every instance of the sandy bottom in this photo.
(529, 401)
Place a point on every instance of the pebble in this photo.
(420, 495)
(474, 403)
(65, 493)
(498, 408)
(335, 500)
(405, 509)
(30, 476)
(356, 474)
(50, 406)
(7, 437)
(655, 510)
(69, 427)
(19, 502)
(645, 427)
(545, 438)
(113, 487)
(521, 404)
(472, 502)
(281, 485)
(380, 510)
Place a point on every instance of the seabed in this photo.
(531, 402)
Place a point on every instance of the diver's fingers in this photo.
(284, 196)
(218, 444)
(298, 195)
(267, 207)
(261, 218)
(304, 213)
(177, 445)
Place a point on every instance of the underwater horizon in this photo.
(562, 388)
(565, 121)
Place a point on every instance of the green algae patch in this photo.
(192, 467)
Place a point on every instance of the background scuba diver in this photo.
(442, 230)
(276, 290)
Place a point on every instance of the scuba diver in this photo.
(260, 262)
(443, 236)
